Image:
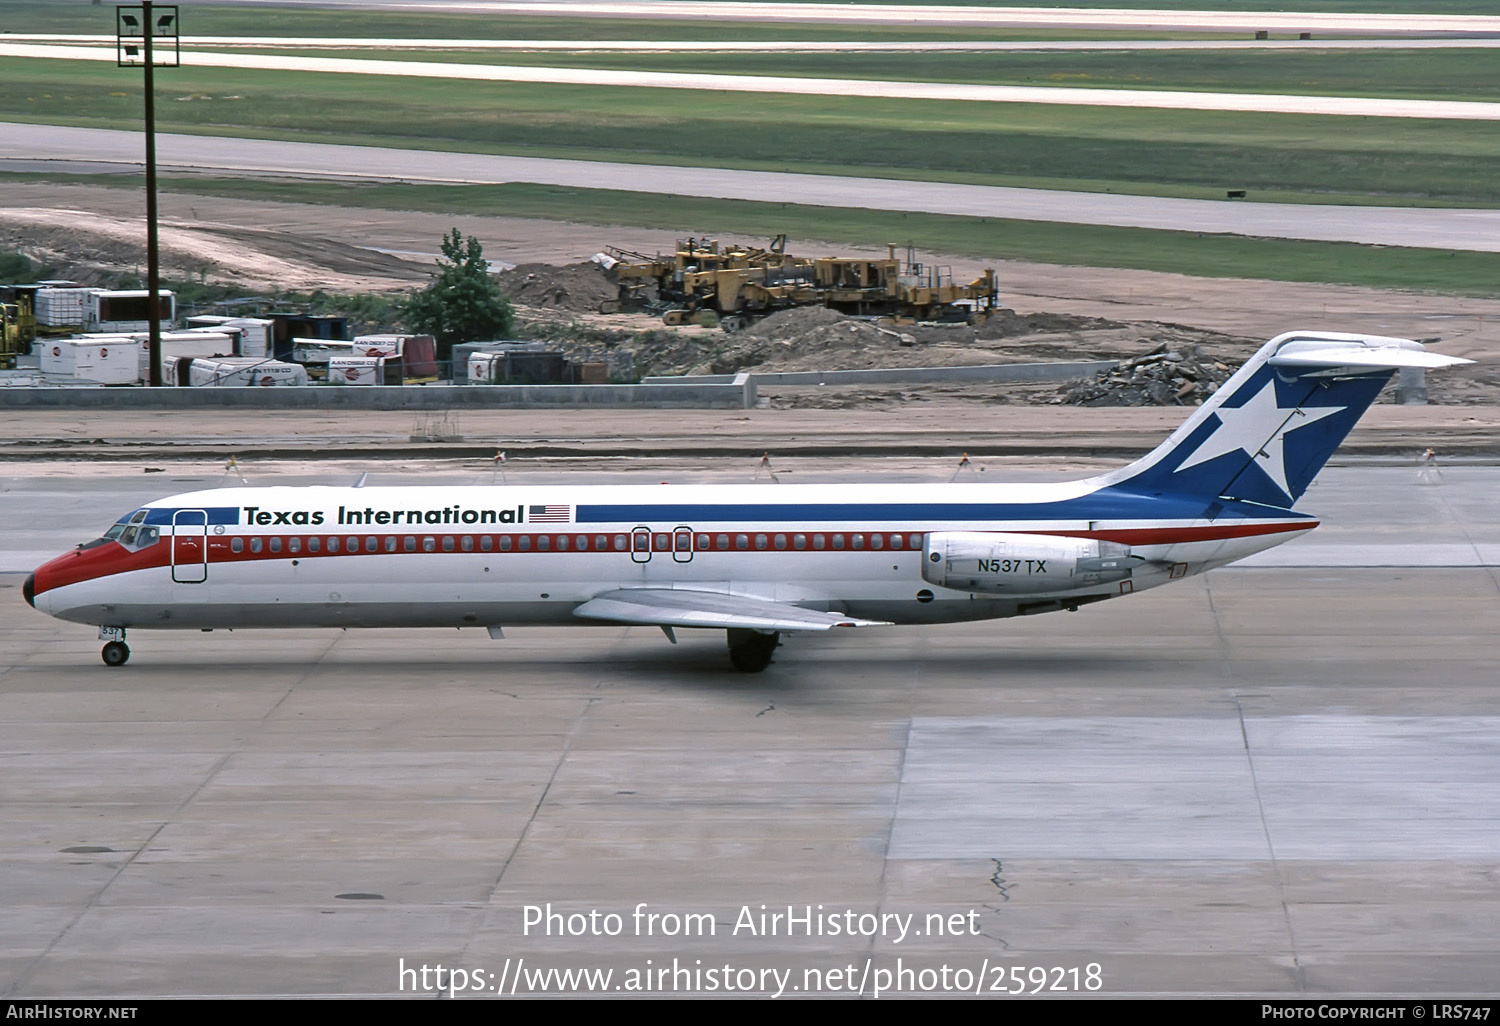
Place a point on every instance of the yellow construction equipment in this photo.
(706, 283)
(17, 325)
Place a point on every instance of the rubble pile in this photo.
(1168, 375)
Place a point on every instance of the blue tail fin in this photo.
(1269, 429)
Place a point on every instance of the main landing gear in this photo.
(750, 651)
(116, 652)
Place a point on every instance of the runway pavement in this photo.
(1275, 780)
(42, 147)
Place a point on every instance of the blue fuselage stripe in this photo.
(1107, 504)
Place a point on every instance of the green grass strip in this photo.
(1203, 255)
(1401, 161)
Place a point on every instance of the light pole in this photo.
(136, 30)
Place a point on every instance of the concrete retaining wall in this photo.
(737, 393)
(994, 372)
(703, 391)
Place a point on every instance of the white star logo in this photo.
(1258, 429)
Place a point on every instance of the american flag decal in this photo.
(549, 514)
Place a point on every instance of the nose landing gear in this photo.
(116, 652)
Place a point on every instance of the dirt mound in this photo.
(791, 324)
(1008, 323)
(583, 287)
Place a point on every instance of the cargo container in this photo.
(418, 353)
(257, 335)
(363, 370)
(315, 352)
(54, 356)
(518, 367)
(176, 345)
(484, 368)
(379, 345)
(463, 350)
(60, 306)
(590, 373)
(126, 310)
(289, 326)
(237, 371)
(107, 360)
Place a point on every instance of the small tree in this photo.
(463, 303)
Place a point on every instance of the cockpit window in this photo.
(139, 537)
(133, 532)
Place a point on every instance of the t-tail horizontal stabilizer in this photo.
(1266, 433)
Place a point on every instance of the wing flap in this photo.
(681, 607)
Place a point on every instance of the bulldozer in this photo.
(731, 286)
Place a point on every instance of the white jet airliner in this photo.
(755, 560)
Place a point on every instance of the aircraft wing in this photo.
(681, 607)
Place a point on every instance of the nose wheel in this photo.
(116, 653)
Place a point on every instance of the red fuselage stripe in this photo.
(111, 558)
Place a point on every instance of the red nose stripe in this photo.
(101, 561)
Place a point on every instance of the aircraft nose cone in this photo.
(28, 590)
